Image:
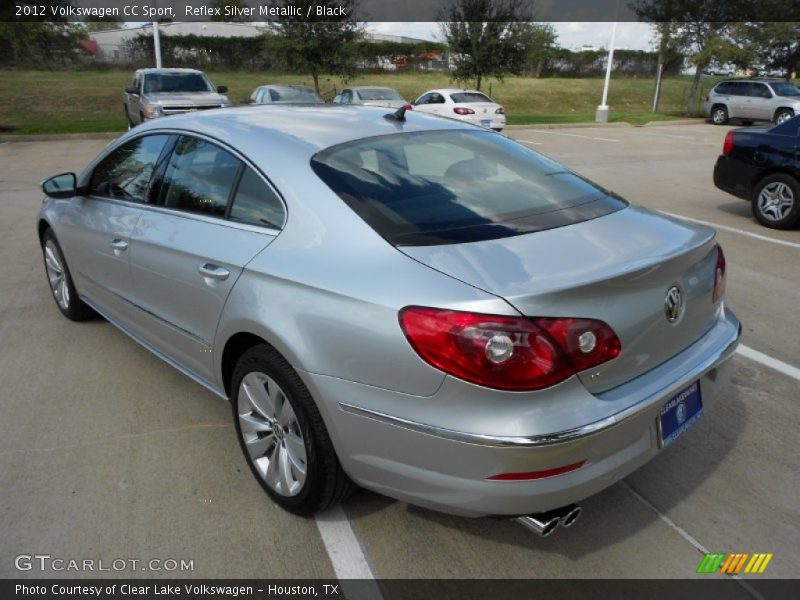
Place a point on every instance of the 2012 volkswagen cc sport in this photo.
(422, 307)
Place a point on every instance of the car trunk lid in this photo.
(617, 268)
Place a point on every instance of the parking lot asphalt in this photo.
(106, 452)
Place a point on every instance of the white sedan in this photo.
(466, 105)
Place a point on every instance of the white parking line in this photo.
(757, 236)
(531, 142)
(768, 361)
(575, 135)
(343, 547)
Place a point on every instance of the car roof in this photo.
(369, 87)
(150, 70)
(306, 128)
(456, 91)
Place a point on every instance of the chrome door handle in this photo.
(119, 246)
(213, 271)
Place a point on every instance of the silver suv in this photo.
(752, 100)
(161, 92)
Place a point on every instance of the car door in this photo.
(96, 228)
(760, 102)
(188, 250)
(735, 94)
(134, 100)
(424, 104)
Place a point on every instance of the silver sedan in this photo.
(416, 305)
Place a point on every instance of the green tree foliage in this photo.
(319, 45)
(28, 41)
(774, 45)
(487, 38)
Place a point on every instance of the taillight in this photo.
(500, 111)
(727, 145)
(460, 110)
(507, 353)
(719, 277)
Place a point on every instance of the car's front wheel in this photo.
(776, 201)
(282, 434)
(719, 115)
(60, 280)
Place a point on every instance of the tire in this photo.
(277, 444)
(776, 201)
(747, 123)
(60, 280)
(782, 115)
(719, 115)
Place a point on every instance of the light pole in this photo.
(602, 111)
(157, 44)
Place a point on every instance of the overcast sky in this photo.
(634, 36)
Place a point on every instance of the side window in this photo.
(437, 99)
(125, 173)
(723, 89)
(425, 99)
(739, 89)
(759, 90)
(256, 203)
(199, 178)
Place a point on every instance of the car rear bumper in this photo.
(448, 469)
(734, 177)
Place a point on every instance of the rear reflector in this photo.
(537, 474)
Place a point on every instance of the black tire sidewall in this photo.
(266, 360)
(793, 218)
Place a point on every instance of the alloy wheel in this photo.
(783, 117)
(271, 434)
(719, 116)
(56, 274)
(775, 201)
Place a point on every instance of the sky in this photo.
(632, 36)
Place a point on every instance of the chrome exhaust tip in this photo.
(570, 515)
(539, 526)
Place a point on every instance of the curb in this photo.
(56, 137)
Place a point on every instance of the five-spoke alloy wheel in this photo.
(775, 201)
(60, 280)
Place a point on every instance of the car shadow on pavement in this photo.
(615, 514)
(740, 208)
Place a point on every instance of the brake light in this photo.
(719, 277)
(507, 353)
(500, 111)
(460, 110)
(727, 145)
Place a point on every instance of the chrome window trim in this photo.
(559, 437)
(172, 131)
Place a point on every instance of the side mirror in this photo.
(222, 89)
(64, 185)
(132, 89)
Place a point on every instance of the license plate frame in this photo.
(679, 413)
(486, 123)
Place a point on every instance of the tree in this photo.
(775, 45)
(319, 44)
(487, 38)
(101, 25)
(700, 29)
(226, 17)
(539, 41)
(31, 41)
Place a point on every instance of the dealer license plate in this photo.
(679, 413)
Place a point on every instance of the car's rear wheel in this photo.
(60, 280)
(282, 434)
(783, 115)
(719, 115)
(776, 201)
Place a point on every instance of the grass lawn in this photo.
(34, 102)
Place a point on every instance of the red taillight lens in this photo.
(507, 353)
(460, 110)
(727, 145)
(500, 111)
(408, 107)
(719, 277)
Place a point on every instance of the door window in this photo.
(125, 173)
(256, 203)
(199, 178)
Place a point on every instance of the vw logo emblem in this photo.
(680, 413)
(673, 304)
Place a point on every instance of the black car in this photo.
(762, 166)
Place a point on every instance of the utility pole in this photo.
(602, 111)
(157, 44)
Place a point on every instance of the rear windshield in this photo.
(378, 94)
(445, 187)
(294, 94)
(176, 82)
(785, 89)
(468, 97)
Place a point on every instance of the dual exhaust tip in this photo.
(544, 524)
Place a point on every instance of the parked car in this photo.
(285, 94)
(725, 70)
(157, 93)
(432, 311)
(762, 166)
(752, 100)
(465, 105)
(370, 96)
